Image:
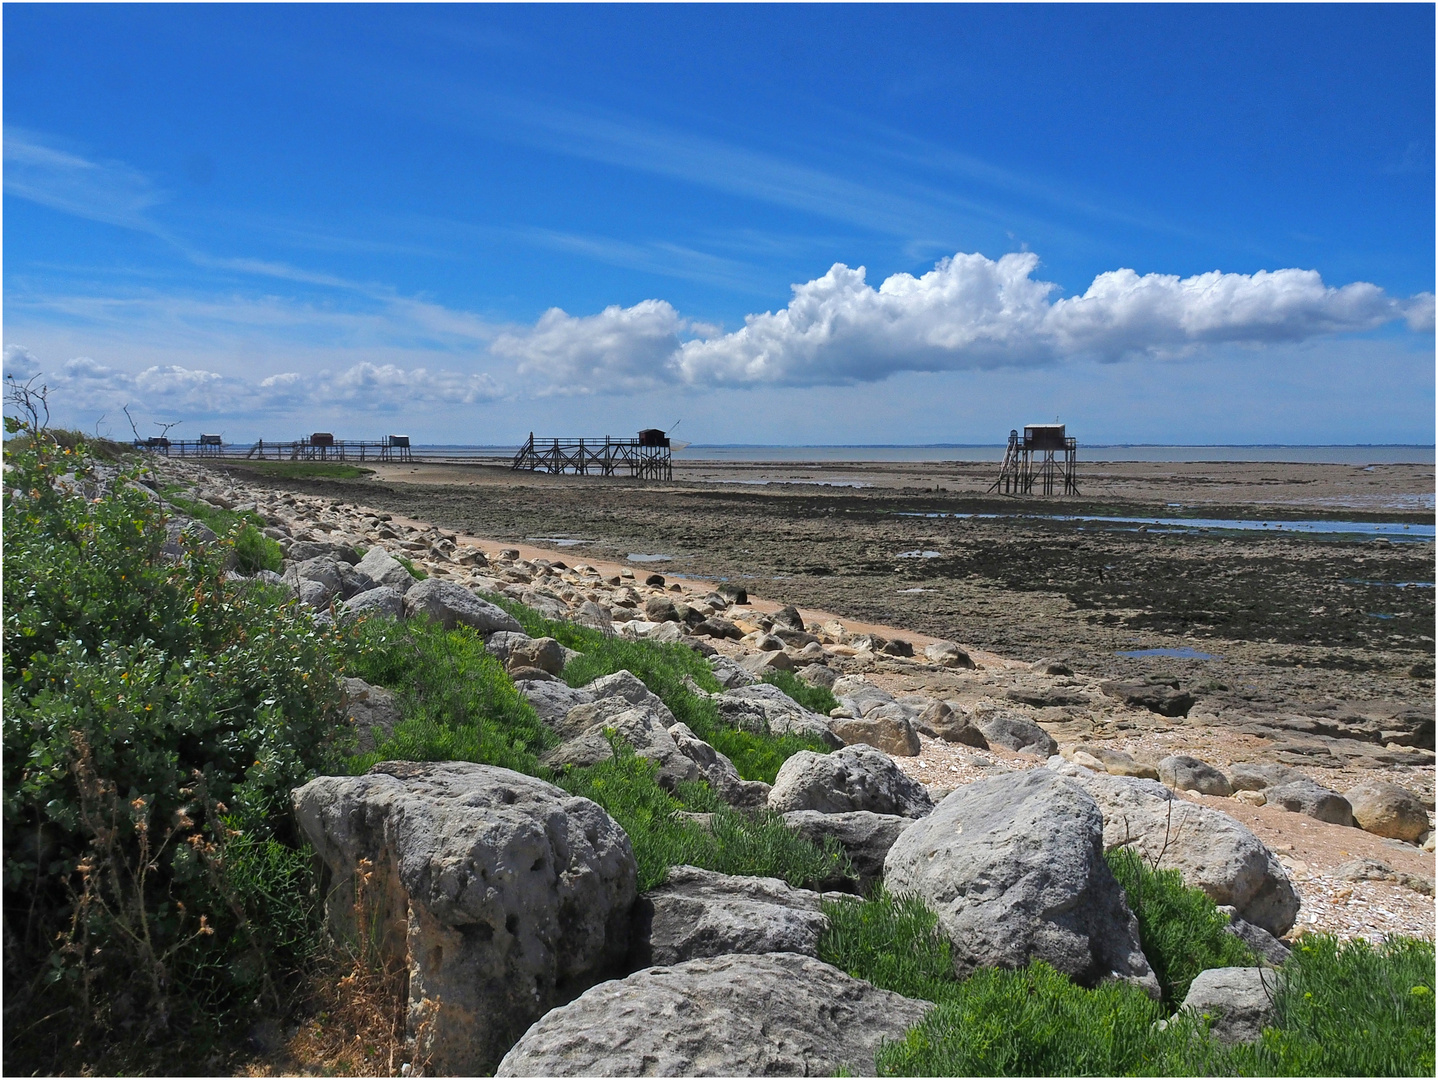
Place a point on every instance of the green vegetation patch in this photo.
(329, 470)
(814, 698)
(455, 700)
(1181, 929)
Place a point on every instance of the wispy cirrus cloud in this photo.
(108, 191)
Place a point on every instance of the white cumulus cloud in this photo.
(969, 311)
(618, 349)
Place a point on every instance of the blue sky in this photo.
(806, 224)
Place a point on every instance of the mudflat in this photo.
(1327, 624)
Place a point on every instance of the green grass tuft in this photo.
(331, 470)
(893, 942)
(1348, 1008)
(1181, 929)
(814, 698)
(456, 701)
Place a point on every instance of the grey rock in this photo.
(1268, 947)
(544, 653)
(383, 569)
(698, 913)
(760, 662)
(1014, 868)
(939, 721)
(762, 707)
(892, 734)
(383, 600)
(717, 627)
(1164, 697)
(323, 570)
(854, 778)
(303, 550)
(453, 605)
(1189, 774)
(642, 729)
(1050, 666)
(372, 710)
(818, 675)
(554, 700)
(1253, 777)
(596, 617)
(546, 603)
(1313, 799)
(719, 771)
(777, 1014)
(1240, 1001)
(312, 594)
(1212, 850)
(503, 895)
(860, 697)
(866, 837)
(730, 674)
(1388, 810)
(1017, 733)
(789, 618)
(352, 581)
(502, 642)
(660, 609)
(947, 654)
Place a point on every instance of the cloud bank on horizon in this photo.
(969, 311)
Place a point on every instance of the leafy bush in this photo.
(1181, 929)
(1037, 1022)
(814, 698)
(155, 719)
(1348, 1008)
(456, 702)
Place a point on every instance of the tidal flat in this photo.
(1328, 624)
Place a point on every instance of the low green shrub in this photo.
(893, 942)
(1037, 1022)
(1348, 1008)
(1181, 929)
(456, 702)
(735, 843)
(414, 571)
(254, 551)
(329, 470)
(814, 698)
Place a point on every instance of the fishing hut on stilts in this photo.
(644, 458)
(1044, 461)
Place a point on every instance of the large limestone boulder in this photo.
(503, 895)
(854, 778)
(698, 913)
(1014, 868)
(718, 770)
(384, 569)
(644, 730)
(866, 837)
(779, 1014)
(1213, 851)
(763, 707)
(947, 654)
(1017, 733)
(1388, 810)
(323, 570)
(453, 605)
(1238, 1000)
(1250, 776)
